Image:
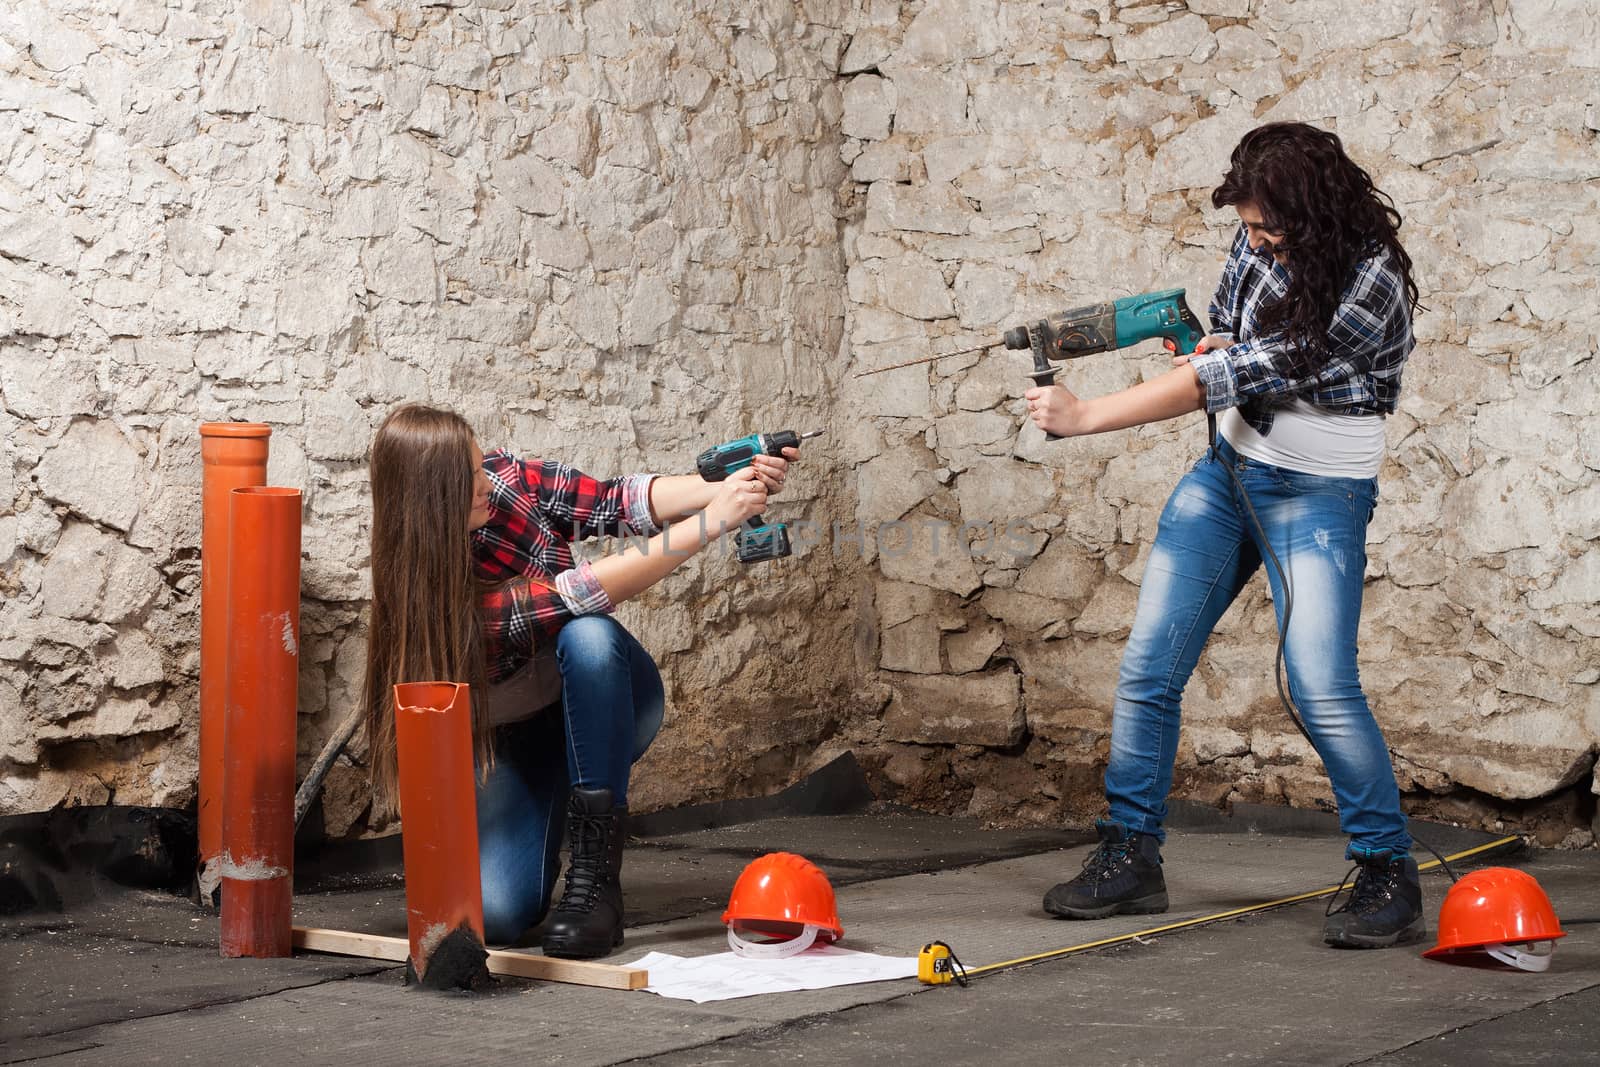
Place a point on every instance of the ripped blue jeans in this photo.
(1205, 550)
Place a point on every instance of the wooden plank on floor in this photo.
(501, 961)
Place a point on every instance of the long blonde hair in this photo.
(426, 624)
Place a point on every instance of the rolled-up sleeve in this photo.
(582, 592)
(1243, 371)
(1216, 376)
(636, 504)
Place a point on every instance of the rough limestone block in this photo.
(1191, 159)
(971, 650)
(967, 710)
(95, 470)
(927, 102)
(135, 662)
(930, 208)
(912, 646)
(1177, 37)
(995, 491)
(915, 287)
(284, 83)
(894, 482)
(927, 551)
(113, 719)
(39, 240)
(868, 48)
(869, 103)
(947, 31)
(530, 183)
(985, 296)
(92, 575)
(1065, 572)
(650, 311)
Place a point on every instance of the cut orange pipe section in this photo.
(439, 827)
(233, 455)
(257, 860)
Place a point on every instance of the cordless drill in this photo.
(756, 540)
(1105, 327)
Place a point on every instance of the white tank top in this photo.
(1311, 440)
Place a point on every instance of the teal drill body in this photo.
(756, 540)
(1104, 327)
(716, 463)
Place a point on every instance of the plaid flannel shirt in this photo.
(537, 508)
(1368, 342)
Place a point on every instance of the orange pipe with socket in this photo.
(257, 859)
(439, 834)
(233, 455)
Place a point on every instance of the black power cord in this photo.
(1278, 669)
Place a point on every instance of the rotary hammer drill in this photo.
(756, 540)
(1084, 331)
(1105, 327)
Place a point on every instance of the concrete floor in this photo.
(134, 978)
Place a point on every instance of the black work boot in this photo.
(1384, 908)
(1122, 875)
(587, 922)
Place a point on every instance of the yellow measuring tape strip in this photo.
(975, 972)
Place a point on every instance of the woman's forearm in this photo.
(677, 496)
(1177, 392)
(630, 572)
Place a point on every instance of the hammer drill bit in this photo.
(927, 359)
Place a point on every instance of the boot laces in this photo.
(588, 844)
(1106, 860)
(1376, 878)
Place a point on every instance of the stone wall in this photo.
(605, 231)
(616, 231)
(1013, 159)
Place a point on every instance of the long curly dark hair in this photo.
(1331, 217)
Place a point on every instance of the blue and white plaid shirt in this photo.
(1368, 342)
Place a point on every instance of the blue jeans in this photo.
(611, 708)
(1205, 550)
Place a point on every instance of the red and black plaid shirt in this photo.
(537, 508)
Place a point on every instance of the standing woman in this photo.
(474, 580)
(1312, 327)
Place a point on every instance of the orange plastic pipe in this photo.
(257, 859)
(233, 455)
(439, 833)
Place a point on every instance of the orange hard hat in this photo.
(1500, 911)
(785, 897)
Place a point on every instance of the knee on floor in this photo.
(506, 918)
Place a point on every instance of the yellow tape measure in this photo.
(938, 965)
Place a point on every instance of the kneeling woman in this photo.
(473, 580)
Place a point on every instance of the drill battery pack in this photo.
(757, 544)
